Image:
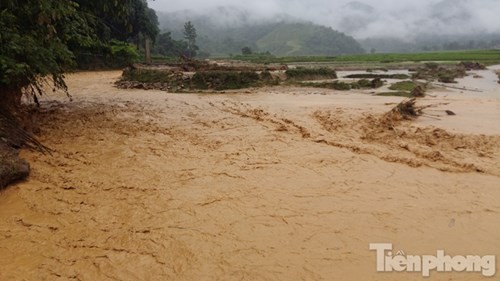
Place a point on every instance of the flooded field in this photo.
(277, 183)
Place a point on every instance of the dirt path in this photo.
(280, 184)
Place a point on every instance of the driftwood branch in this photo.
(458, 88)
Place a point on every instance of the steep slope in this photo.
(308, 39)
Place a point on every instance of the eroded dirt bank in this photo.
(280, 184)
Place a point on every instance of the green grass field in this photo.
(487, 57)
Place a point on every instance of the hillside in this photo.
(301, 39)
(286, 36)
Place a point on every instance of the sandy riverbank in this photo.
(276, 184)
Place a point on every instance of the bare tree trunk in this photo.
(147, 49)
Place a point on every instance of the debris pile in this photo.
(418, 92)
(469, 65)
(175, 81)
(406, 109)
(346, 86)
(150, 79)
(433, 71)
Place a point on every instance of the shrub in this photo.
(266, 76)
(431, 65)
(376, 83)
(341, 86)
(344, 86)
(122, 53)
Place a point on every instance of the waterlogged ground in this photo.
(269, 184)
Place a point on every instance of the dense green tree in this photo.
(34, 37)
(41, 39)
(166, 46)
(119, 20)
(128, 21)
(246, 51)
(190, 35)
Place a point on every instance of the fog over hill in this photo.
(361, 19)
(381, 26)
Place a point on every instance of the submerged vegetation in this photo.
(311, 73)
(381, 76)
(394, 94)
(224, 80)
(406, 89)
(215, 76)
(217, 80)
(346, 86)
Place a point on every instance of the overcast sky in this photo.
(387, 18)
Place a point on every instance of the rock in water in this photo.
(12, 167)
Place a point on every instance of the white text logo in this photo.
(400, 262)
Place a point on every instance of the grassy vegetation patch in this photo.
(381, 76)
(311, 73)
(224, 80)
(341, 86)
(148, 75)
(345, 86)
(403, 86)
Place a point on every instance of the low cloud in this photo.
(361, 19)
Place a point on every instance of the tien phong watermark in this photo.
(387, 261)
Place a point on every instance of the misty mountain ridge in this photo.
(235, 28)
(444, 25)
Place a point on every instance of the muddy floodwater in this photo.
(264, 184)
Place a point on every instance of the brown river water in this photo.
(267, 184)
